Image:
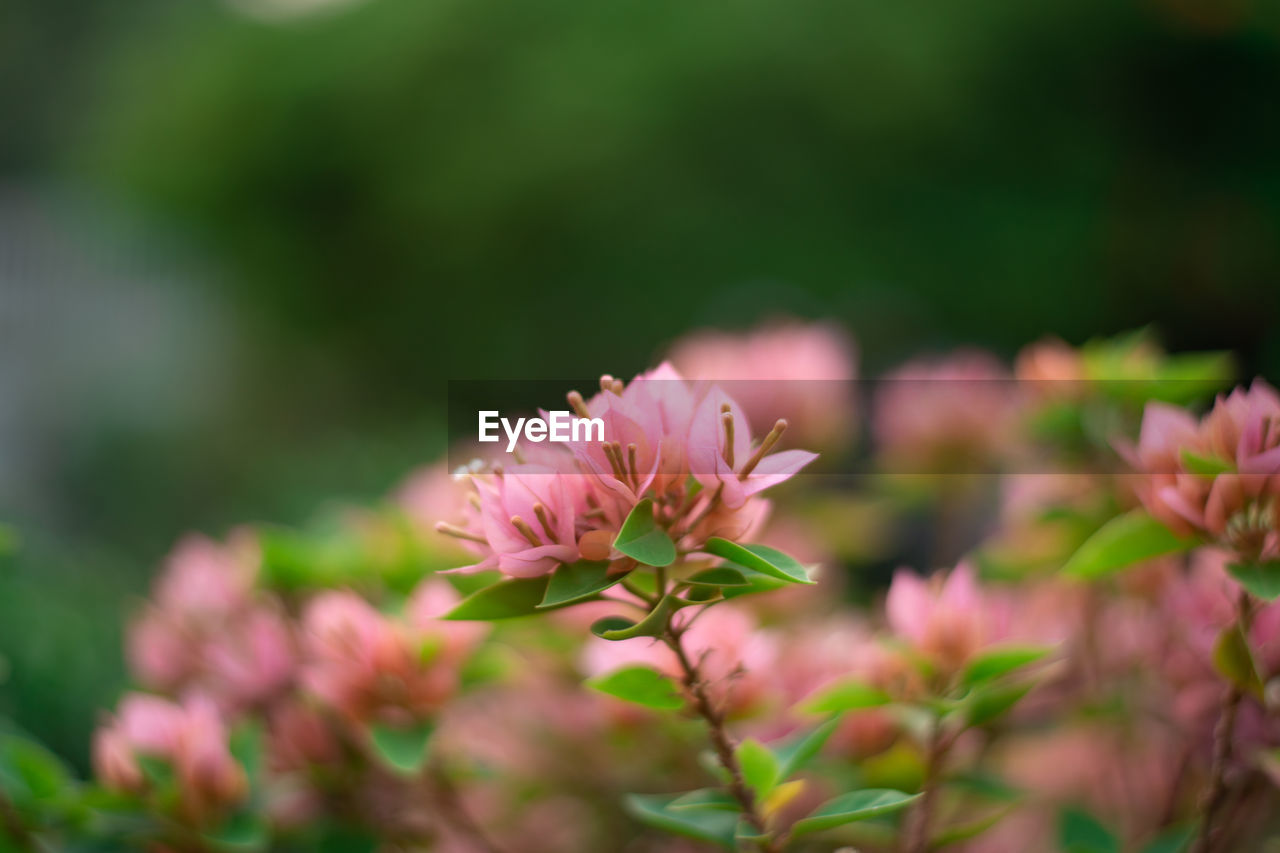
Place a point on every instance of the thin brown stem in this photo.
(721, 742)
(1223, 736)
(919, 825)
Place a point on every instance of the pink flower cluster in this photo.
(662, 434)
(1217, 476)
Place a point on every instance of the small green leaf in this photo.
(505, 599)
(1261, 579)
(1001, 660)
(404, 749)
(641, 685)
(988, 702)
(578, 581)
(714, 826)
(856, 805)
(759, 766)
(846, 696)
(1122, 542)
(759, 558)
(1079, 832)
(652, 625)
(798, 750)
(1233, 659)
(1205, 466)
(643, 540)
(719, 576)
(611, 624)
(706, 798)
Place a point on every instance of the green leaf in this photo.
(719, 576)
(652, 625)
(714, 826)
(759, 765)
(846, 696)
(404, 749)
(1122, 542)
(1260, 579)
(1001, 660)
(578, 581)
(1233, 659)
(759, 558)
(706, 798)
(641, 685)
(1205, 466)
(503, 600)
(856, 805)
(797, 751)
(1079, 832)
(643, 540)
(987, 703)
(611, 624)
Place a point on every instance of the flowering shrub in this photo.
(625, 645)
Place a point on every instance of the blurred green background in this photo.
(241, 252)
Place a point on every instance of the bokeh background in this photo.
(244, 245)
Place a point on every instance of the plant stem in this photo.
(720, 741)
(1223, 736)
(916, 839)
(451, 811)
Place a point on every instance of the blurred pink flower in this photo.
(528, 517)
(946, 619)
(1237, 506)
(800, 371)
(943, 415)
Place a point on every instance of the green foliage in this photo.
(403, 748)
(641, 539)
(641, 685)
(1234, 661)
(1000, 661)
(715, 826)
(853, 806)
(577, 582)
(759, 558)
(760, 768)
(795, 753)
(1122, 542)
(846, 696)
(1260, 579)
(505, 599)
(718, 577)
(1080, 832)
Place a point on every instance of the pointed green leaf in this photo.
(1261, 579)
(759, 558)
(641, 685)
(643, 540)
(611, 624)
(1234, 660)
(856, 805)
(1001, 660)
(846, 696)
(716, 827)
(578, 581)
(243, 831)
(1079, 832)
(719, 576)
(988, 702)
(706, 798)
(798, 750)
(505, 599)
(1122, 542)
(402, 748)
(759, 766)
(652, 625)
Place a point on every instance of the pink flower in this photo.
(527, 519)
(203, 579)
(801, 371)
(937, 416)
(721, 456)
(1235, 505)
(368, 668)
(948, 620)
(190, 736)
